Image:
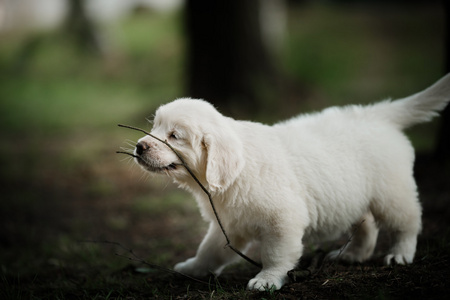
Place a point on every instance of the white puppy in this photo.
(306, 179)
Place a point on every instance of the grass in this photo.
(62, 184)
(356, 54)
(62, 90)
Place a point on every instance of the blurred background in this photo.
(71, 70)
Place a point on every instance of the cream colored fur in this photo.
(306, 179)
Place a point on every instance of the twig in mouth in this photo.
(128, 153)
(183, 163)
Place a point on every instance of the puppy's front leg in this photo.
(280, 252)
(212, 256)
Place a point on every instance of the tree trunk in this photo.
(81, 29)
(443, 138)
(228, 63)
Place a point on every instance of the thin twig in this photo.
(341, 250)
(183, 163)
(128, 153)
(301, 273)
(349, 239)
(136, 258)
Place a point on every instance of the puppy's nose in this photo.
(141, 147)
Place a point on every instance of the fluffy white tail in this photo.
(418, 108)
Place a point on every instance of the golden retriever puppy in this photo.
(309, 178)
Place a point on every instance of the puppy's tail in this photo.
(418, 108)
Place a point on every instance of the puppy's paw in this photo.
(266, 281)
(398, 259)
(191, 267)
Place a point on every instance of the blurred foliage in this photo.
(337, 54)
(357, 54)
(55, 88)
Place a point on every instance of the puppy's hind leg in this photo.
(362, 242)
(398, 210)
(405, 229)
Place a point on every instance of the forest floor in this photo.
(98, 244)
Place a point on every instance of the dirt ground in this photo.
(102, 243)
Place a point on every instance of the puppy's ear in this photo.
(225, 159)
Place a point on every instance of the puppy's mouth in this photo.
(170, 167)
(149, 166)
(152, 162)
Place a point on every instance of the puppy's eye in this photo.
(173, 136)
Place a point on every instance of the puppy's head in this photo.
(202, 136)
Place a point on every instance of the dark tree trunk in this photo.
(81, 29)
(443, 138)
(228, 63)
